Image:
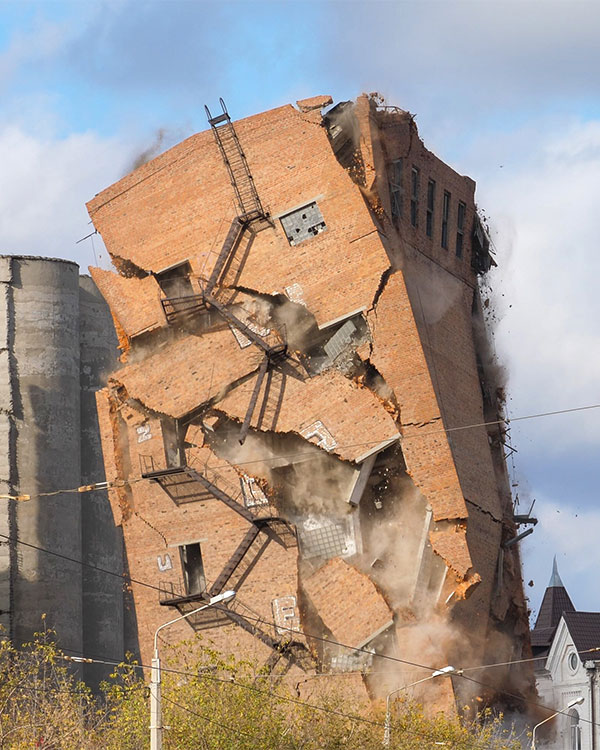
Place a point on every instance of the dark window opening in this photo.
(414, 197)
(430, 208)
(575, 730)
(175, 282)
(395, 176)
(173, 441)
(445, 217)
(193, 568)
(303, 223)
(460, 228)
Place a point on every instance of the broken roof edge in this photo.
(387, 115)
(314, 102)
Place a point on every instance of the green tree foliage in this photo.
(209, 703)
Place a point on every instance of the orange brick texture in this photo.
(179, 207)
(417, 300)
(330, 398)
(444, 299)
(348, 602)
(135, 303)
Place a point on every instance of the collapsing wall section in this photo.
(280, 417)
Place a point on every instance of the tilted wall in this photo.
(417, 300)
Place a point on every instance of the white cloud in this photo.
(44, 40)
(45, 183)
(541, 187)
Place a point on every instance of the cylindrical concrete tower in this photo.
(101, 539)
(43, 333)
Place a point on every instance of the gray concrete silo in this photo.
(57, 344)
(46, 412)
(102, 545)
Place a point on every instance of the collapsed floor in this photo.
(288, 376)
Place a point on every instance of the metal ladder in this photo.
(233, 155)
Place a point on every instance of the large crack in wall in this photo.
(288, 375)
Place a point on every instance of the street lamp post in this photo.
(387, 734)
(571, 704)
(156, 728)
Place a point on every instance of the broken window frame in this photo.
(175, 281)
(460, 228)
(445, 217)
(395, 185)
(431, 185)
(194, 578)
(415, 178)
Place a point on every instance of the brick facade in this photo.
(296, 435)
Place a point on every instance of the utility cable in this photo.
(312, 706)
(251, 688)
(458, 673)
(206, 718)
(125, 577)
(115, 484)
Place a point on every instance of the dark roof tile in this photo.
(584, 628)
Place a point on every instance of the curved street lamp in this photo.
(571, 704)
(388, 713)
(156, 728)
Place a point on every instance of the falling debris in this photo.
(300, 322)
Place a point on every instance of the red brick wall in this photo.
(179, 206)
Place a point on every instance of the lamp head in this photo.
(223, 598)
(444, 670)
(575, 702)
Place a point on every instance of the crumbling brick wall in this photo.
(288, 379)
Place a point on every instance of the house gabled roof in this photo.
(584, 628)
(556, 601)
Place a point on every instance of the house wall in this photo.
(558, 684)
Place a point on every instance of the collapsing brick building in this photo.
(301, 330)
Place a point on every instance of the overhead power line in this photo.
(128, 579)
(251, 688)
(278, 696)
(117, 483)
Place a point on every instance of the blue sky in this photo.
(506, 92)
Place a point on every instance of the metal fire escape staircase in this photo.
(251, 213)
(184, 484)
